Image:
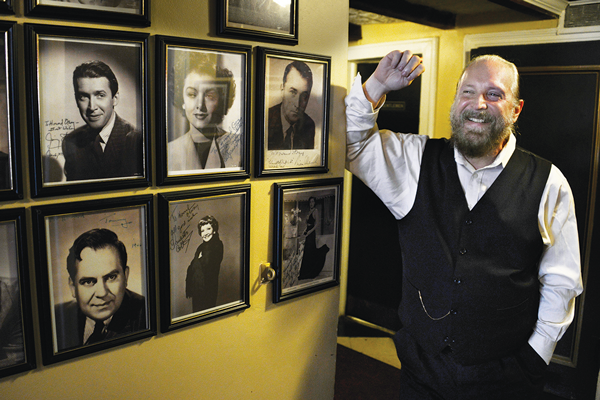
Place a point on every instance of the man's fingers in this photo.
(412, 64)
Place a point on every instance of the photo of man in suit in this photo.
(107, 146)
(289, 127)
(103, 307)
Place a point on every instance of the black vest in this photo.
(474, 272)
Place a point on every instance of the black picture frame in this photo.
(128, 12)
(17, 353)
(267, 21)
(195, 291)
(276, 153)
(179, 122)
(95, 291)
(295, 275)
(6, 7)
(53, 53)
(10, 149)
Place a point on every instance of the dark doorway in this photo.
(375, 265)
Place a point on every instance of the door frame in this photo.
(428, 47)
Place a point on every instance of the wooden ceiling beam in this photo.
(406, 11)
(527, 8)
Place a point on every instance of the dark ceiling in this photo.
(445, 14)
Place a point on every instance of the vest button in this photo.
(453, 312)
(468, 222)
(462, 251)
(458, 281)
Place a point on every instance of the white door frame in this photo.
(428, 48)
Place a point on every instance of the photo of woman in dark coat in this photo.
(313, 259)
(202, 279)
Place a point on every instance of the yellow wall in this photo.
(450, 56)
(282, 351)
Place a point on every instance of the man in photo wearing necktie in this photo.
(289, 126)
(103, 307)
(107, 146)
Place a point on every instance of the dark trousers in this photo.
(423, 376)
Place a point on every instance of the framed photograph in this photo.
(119, 12)
(16, 330)
(204, 245)
(269, 20)
(88, 109)
(10, 154)
(6, 7)
(95, 275)
(307, 237)
(292, 105)
(203, 110)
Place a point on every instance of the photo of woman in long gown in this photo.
(204, 92)
(313, 259)
(202, 278)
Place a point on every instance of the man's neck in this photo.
(484, 161)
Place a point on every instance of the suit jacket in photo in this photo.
(70, 321)
(304, 132)
(123, 155)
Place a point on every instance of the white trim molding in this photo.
(515, 38)
(555, 7)
(429, 49)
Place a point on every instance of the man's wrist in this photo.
(374, 91)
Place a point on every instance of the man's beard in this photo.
(475, 143)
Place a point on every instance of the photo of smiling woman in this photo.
(202, 280)
(203, 92)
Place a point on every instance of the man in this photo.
(107, 146)
(103, 307)
(289, 126)
(488, 235)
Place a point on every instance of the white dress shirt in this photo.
(389, 163)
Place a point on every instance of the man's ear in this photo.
(72, 287)
(126, 273)
(517, 110)
(115, 99)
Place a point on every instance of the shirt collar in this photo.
(90, 324)
(107, 130)
(501, 159)
(284, 122)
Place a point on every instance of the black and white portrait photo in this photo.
(9, 139)
(98, 272)
(91, 110)
(294, 114)
(5, 150)
(12, 344)
(207, 243)
(309, 236)
(125, 6)
(205, 130)
(267, 15)
(308, 230)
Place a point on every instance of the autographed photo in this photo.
(12, 343)
(66, 119)
(293, 119)
(309, 238)
(86, 278)
(205, 103)
(207, 254)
